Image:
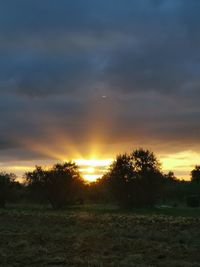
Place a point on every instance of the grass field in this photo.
(95, 236)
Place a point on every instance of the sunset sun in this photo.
(92, 169)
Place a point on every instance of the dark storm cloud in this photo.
(59, 57)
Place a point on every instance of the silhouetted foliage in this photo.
(148, 175)
(144, 161)
(16, 192)
(60, 185)
(121, 179)
(7, 180)
(195, 174)
(133, 180)
(177, 191)
(170, 177)
(171, 185)
(98, 191)
(36, 184)
(136, 179)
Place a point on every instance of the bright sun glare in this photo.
(92, 169)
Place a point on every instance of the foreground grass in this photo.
(95, 236)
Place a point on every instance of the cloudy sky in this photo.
(89, 78)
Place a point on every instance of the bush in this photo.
(193, 201)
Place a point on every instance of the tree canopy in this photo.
(60, 185)
(6, 182)
(136, 178)
(195, 174)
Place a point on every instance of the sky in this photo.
(89, 79)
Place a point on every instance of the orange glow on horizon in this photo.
(97, 161)
(181, 163)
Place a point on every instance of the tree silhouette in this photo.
(136, 179)
(60, 185)
(195, 174)
(144, 161)
(36, 182)
(121, 179)
(6, 182)
(148, 175)
(98, 191)
(170, 177)
(171, 187)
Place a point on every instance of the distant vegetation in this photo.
(133, 180)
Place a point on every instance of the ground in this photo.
(96, 236)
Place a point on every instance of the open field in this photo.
(95, 236)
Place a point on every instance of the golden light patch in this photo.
(93, 162)
(92, 169)
(17, 168)
(181, 163)
(91, 177)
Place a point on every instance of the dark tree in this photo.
(60, 185)
(98, 191)
(121, 179)
(195, 174)
(136, 179)
(170, 177)
(6, 182)
(144, 161)
(148, 176)
(64, 184)
(36, 182)
(171, 188)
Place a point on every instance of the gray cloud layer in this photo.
(59, 57)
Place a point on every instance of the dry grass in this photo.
(97, 239)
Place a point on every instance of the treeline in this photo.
(132, 180)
